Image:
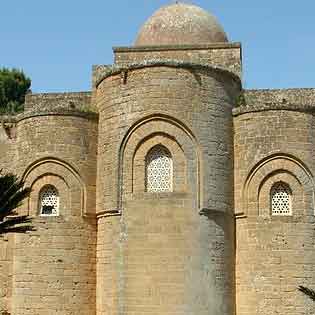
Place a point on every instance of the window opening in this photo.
(49, 201)
(159, 170)
(280, 199)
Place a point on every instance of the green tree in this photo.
(13, 87)
(12, 193)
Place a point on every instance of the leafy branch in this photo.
(309, 292)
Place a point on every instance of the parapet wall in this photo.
(225, 56)
(293, 96)
(273, 142)
(302, 100)
(52, 269)
(80, 101)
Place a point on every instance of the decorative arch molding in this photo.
(67, 180)
(297, 193)
(135, 159)
(275, 168)
(178, 138)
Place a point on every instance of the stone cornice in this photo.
(172, 63)
(307, 108)
(57, 112)
(177, 47)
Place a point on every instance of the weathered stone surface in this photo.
(179, 24)
(209, 245)
(274, 255)
(187, 233)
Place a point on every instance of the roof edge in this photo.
(171, 63)
(177, 47)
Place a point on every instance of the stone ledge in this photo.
(177, 47)
(57, 112)
(108, 71)
(79, 101)
(306, 108)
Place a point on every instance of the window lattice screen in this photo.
(281, 199)
(159, 170)
(49, 201)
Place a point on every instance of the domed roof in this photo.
(180, 24)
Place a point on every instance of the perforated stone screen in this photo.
(280, 199)
(49, 201)
(159, 170)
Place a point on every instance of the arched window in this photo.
(159, 170)
(280, 199)
(49, 201)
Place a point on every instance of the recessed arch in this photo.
(48, 159)
(158, 123)
(135, 163)
(267, 172)
(298, 194)
(60, 174)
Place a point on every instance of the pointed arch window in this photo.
(281, 199)
(159, 170)
(49, 201)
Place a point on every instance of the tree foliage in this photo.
(12, 193)
(14, 85)
(309, 292)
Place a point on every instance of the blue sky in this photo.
(57, 42)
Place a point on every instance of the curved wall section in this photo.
(274, 228)
(200, 99)
(174, 250)
(56, 261)
(71, 139)
(64, 178)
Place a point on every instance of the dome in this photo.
(180, 24)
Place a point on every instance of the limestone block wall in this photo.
(54, 266)
(108, 264)
(224, 55)
(300, 97)
(160, 91)
(7, 143)
(274, 254)
(174, 252)
(6, 269)
(7, 164)
(66, 141)
(79, 101)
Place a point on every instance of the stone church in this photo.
(166, 189)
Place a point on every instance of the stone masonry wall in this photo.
(163, 90)
(226, 56)
(274, 254)
(54, 266)
(108, 265)
(180, 260)
(280, 96)
(40, 102)
(7, 164)
(6, 269)
(7, 143)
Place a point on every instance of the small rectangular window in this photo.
(280, 195)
